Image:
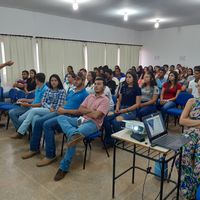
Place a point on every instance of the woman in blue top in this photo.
(127, 104)
(53, 98)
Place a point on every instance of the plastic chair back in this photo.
(183, 97)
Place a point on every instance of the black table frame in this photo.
(143, 152)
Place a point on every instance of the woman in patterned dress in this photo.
(190, 176)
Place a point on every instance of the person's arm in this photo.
(133, 107)
(84, 111)
(151, 102)
(118, 104)
(25, 100)
(9, 63)
(185, 120)
(30, 105)
(63, 111)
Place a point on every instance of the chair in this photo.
(87, 142)
(181, 101)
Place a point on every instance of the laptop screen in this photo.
(154, 125)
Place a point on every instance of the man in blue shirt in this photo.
(160, 80)
(17, 115)
(49, 123)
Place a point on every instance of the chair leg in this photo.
(167, 121)
(105, 146)
(175, 118)
(63, 141)
(182, 129)
(170, 173)
(85, 156)
(8, 120)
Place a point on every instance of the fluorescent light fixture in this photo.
(75, 5)
(157, 24)
(125, 17)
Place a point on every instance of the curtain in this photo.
(111, 55)
(129, 56)
(51, 57)
(20, 50)
(74, 55)
(96, 55)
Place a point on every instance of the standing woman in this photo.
(127, 104)
(169, 93)
(190, 168)
(53, 98)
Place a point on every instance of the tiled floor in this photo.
(22, 180)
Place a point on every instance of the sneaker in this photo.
(45, 161)
(59, 175)
(74, 139)
(17, 136)
(30, 154)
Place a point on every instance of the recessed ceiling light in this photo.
(157, 24)
(125, 17)
(75, 5)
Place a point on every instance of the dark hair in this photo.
(175, 81)
(72, 74)
(40, 77)
(134, 75)
(93, 74)
(60, 85)
(162, 69)
(109, 71)
(191, 70)
(33, 70)
(25, 71)
(165, 65)
(101, 79)
(197, 68)
(70, 68)
(83, 69)
(152, 80)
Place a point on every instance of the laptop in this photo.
(158, 136)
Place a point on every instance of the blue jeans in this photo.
(38, 129)
(146, 110)
(34, 114)
(69, 127)
(49, 128)
(15, 114)
(165, 107)
(111, 125)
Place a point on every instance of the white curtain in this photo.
(111, 55)
(20, 50)
(74, 54)
(51, 57)
(129, 56)
(96, 55)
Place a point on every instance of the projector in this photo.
(136, 126)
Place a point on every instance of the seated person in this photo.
(160, 79)
(94, 109)
(30, 83)
(149, 96)
(18, 115)
(91, 76)
(192, 88)
(49, 123)
(117, 73)
(109, 82)
(53, 98)
(169, 93)
(190, 168)
(69, 83)
(127, 104)
(19, 84)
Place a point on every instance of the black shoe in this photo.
(59, 175)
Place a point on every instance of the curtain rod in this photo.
(84, 41)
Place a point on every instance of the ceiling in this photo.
(172, 13)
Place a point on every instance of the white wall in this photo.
(14, 21)
(171, 46)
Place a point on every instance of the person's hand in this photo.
(52, 109)
(9, 63)
(123, 111)
(21, 100)
(162, 102)
(117, 111)
(24, 104)
(61, 111)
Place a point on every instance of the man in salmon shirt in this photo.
(94, 108)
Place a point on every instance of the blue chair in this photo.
(87, 142)
(5, 108)
(181, 101)
(198, 193)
